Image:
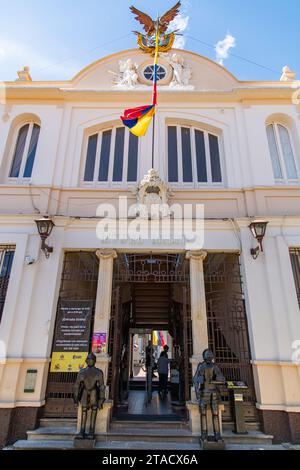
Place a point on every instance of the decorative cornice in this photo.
(270, 363)
(106, 254)
(196, 255)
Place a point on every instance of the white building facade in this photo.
(232, 146)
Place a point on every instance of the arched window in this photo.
(111, 156)
(193, 156)
(24, 151)
(282, 153)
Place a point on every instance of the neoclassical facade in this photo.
(233, 147)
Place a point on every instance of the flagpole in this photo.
(153, 135)
(154, 98)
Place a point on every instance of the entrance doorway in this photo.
(151, 294)
(150, 304)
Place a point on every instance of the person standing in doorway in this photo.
(163, 370)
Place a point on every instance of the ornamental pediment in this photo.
(133, 70)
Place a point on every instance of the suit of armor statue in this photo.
(206, 380)
(89, 391)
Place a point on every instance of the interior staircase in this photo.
(151, 305)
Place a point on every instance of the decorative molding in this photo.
(19, 403)
(106, 253)
(287, 74)
(280, 407)
(127, 75)
(182, 73)
(26, 360)
(274, 363)
(196, 255)
(152, 196)
(24, 75)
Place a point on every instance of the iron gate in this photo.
(151, 268)
(227, 326)
(78, 282)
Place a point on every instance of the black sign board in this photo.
(73, 326)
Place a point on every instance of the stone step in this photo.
(58, 422)
(152, 435)
(52, 433)
(251, 426)
(149, 424)
(117, 445)
(132, 433)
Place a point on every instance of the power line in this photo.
(129, 34)
(235, 55)
(85, 52)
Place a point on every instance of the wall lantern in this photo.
(45, 226)
(258, 230)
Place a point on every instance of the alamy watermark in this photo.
(180, 224)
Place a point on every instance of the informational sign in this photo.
(30, 380)
(236, 384)
(99, 345)
(72, 335)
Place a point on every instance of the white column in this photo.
(103, 301)
(199, 328)
(198, 305)
(101, 325)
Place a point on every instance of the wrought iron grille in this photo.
(151, 268)
(78, 282)
(295, 260)
(6, 260)
(227, 326)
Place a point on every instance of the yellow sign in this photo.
(68, 361)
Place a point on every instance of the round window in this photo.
(149, 72)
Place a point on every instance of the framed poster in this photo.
(99, 345)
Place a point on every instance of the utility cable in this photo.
(235, 55)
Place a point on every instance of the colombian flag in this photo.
(138, 119)
(154, 338)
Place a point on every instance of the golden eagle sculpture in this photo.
(147, 42)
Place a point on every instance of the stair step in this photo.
(138, 445)
(123, 424)
(53, 433)
(131, 432)
(58, 422)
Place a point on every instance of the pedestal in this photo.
(195, 420)
(210, 444)
(102, 421)
(79, 443)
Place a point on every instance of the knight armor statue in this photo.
(206, 380)
(89, 391)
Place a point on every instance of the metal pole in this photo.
(155, 84)
(153, 137)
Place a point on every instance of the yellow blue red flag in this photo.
(138, 119)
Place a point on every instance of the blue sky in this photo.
(58, 38)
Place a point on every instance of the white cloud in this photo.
(223, 47)
(180, 23)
